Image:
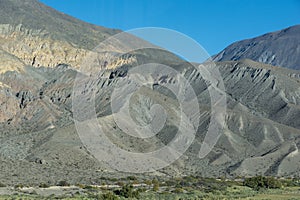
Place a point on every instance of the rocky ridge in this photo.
(279, 48)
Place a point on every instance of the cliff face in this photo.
(21, 46)
(280, 48)
(34, 47)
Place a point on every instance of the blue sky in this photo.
(212, 23)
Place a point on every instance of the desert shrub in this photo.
(109, 196)
(128, 191)
(155, 181)
(120, 183)
(271, 182)
(131, 178)
(19, 186)
(44, 185)
(88, 187)
(296, 181)
(260, 182)
(178, 190)
(148, 182)
(63, 183)
(156, 186)
(92, 195)
(141, 190)
(292, 182)
(80, 185)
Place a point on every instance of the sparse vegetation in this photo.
(260, 182)
(110, 196)
(128, 191)
(177, 188)
(155, 183)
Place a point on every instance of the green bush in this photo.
(148, 182)
(178, 190)
(155, 186)
(109, 196)
(128, 191)
(290, 182)
(260, 182)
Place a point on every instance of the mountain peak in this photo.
(279, 48)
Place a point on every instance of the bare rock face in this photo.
(280, 48)
(37, 49)
(22, 46)
(9, 62)
(9, 104)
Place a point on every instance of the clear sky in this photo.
(213, 23)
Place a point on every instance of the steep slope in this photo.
(262, 134)
(41, 36)
(38, 138)
(280, 48)
(35, 16)
(38, 35)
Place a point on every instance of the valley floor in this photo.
(179, 188)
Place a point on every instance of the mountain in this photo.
(32, 33)
(280, 48)
(33, 15)
(41, 36)
(38, 135)
(39, 141)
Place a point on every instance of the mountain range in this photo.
(40, 57)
